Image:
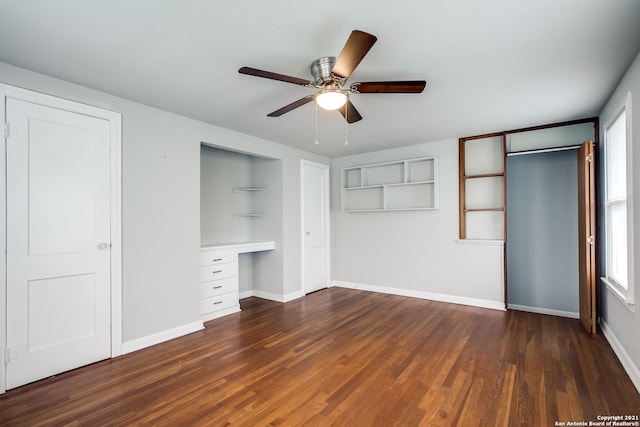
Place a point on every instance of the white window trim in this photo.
(618, 293)
(626, 296)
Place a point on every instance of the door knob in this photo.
(308, 233)
(103, 245)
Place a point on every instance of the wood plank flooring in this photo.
(345, 358)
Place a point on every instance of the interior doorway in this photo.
(315, 226)
(542, 224)
(60, 280)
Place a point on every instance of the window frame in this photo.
(625, 295)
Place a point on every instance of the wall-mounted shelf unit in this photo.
(392, 186)
(482, 187)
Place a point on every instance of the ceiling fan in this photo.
(330, 76)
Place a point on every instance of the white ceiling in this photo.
(489, 65)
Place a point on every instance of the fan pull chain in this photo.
(316, 122)
(346, 125)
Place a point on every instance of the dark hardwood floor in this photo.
(346, 358)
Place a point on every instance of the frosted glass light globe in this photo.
(331, 100)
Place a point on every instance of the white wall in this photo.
(161, 204)
(268, 280)
(621, 325)
(414, 252)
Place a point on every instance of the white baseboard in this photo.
(272, 297)
(246, 294)
(293, 295)
(475, 302)
(157, 338)
(268, 295)
(559, 313)
(627, 363)
(221, 313)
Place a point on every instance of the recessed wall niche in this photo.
(240, 202)
(240, 196)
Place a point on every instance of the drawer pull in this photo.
(217, 287)
(217, 271)
(217, 259)
(217, 302)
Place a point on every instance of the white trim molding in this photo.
(626, 296)
(160, 337)
(626, 360)
(246, 294)
(271, 296)
(613, 289)
(489, 242)
(549, 311)
(454, 299)
(293, 295)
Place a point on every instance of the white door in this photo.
(58, 241)
(316, 226)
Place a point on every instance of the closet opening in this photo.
(542, 245)
(532, 190)
(550, 221)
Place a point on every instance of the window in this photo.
(617, 156)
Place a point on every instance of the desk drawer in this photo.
(218, 287)
(217, 272)
(219, 302)
(214, 258)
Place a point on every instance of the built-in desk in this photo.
(219, 285)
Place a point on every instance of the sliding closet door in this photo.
(586, 237)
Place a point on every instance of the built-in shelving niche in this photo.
(392, 186)
(240, 196)
(248, 192)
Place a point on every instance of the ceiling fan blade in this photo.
(409, 86)
(274, 76)
(357, 46)
(350, 113)
(299, 103)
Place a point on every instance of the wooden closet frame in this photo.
(463, 177)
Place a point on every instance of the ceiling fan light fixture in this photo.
(330, 75)
(331, 99)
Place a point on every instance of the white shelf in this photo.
(363, 187)
(240, 247)
(408, 184)
(247, 189)
(392, 186)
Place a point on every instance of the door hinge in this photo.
(10, 353)
(590, 157)
(591, 240)
(6, 131)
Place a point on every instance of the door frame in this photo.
(303, 165)
(115, 142)
(596, 142)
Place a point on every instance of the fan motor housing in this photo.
(321, 69)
